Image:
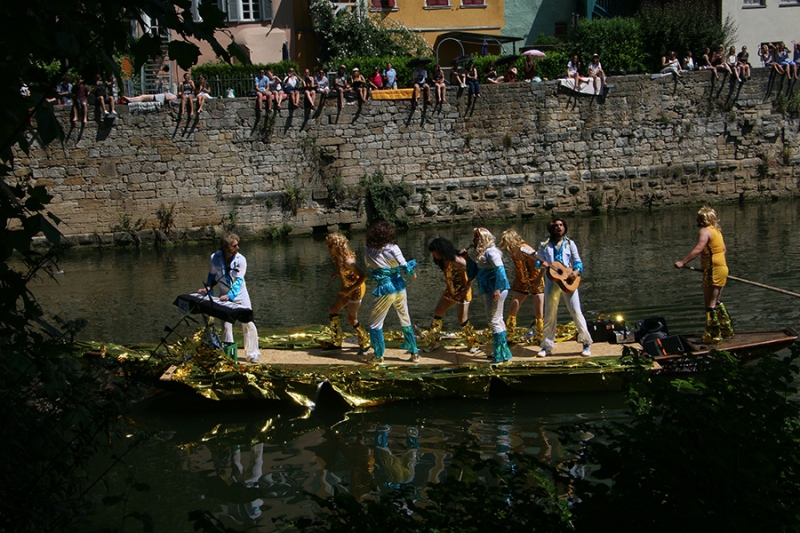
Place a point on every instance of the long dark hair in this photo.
(445, 249)
(552, 227)
(380, 234)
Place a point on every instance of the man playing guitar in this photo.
(559, 255)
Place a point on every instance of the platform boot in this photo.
(511, 330)
(363, 338)
(711, 334)
(725, 323)
(410, 342)
(378, 344)
(470, 337)
(336, 334)
(501, 353)
(535, 334)
(434, 335)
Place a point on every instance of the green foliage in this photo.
(351, 34)
(384, 199)
(275, 233)
(719, 451)
(237, 70)
(618, 40)
(292, 199)
(781, 103)
(60, 413)
(680, 26)
(793, 106)
(166, 218)
(230, 220)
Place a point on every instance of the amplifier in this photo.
(606, 330)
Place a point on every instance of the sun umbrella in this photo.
(462, 59)
(506, 59)
(419, 61)
(534, 53)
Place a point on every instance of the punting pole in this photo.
(776, 289)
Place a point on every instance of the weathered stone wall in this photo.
(521, 150)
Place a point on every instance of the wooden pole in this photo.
(776, 289)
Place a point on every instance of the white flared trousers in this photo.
(381, 308)
(494, 311)
(552, 294)
(250, 334)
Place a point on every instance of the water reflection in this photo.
(249, 467)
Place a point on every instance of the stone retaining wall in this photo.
(522, 150)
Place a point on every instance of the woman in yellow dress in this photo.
(350, 295)
(527, 280)
(715, 274)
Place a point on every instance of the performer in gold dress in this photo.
(350, 295)
(527, 280)
(715, 274)
(458, 292)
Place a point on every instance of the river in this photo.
(231, 459)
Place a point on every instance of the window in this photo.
(473, 3)
(384, 4)
(437, 3)
(245, 10)
(755, 3)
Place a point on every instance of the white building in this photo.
(762, 21)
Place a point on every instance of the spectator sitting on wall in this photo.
(341, 84)
(102, 99)
(375, 80)
(688, 61)
(573, 71)
(309, 89)
(718, 62)
(490, 74)
(437, 77)
(186, 93)
(275, 90)
(203, 93)
(763, 54)
(743, 62)
(511, 74)
(530, 68)
(458, 77)
(292, 85)
(732, 63)
(64, 90)
(670, 64)
(80, 100)
(158, 97)
(389, 77)
(421, 84)
(359, 84)
(789, 66)
(596, 73)
(472, 80)
(262, 91)
(323, 85)
(705, 60)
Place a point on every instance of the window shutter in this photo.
(437, 3)
(266, 10)
(234, 11)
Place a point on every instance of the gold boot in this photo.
(434, 335)
(725, 323)
(511, 328)
(711, 335)
(363, 338)
(470, 337)
(535, 333)
(337, 335)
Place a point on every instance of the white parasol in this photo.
(534, 53)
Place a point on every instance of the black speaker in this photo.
(651, 325)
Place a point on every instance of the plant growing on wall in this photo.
(293, 198)
(384, 199)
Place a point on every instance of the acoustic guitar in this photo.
(559, 274)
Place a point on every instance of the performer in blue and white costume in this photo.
(493, 285)
(561, 248)
(227, 270)
(386, 266)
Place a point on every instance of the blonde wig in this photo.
(511, 240)
(339, 248)
(708, 217)
(485, 240)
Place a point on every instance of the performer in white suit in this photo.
(228, 268)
